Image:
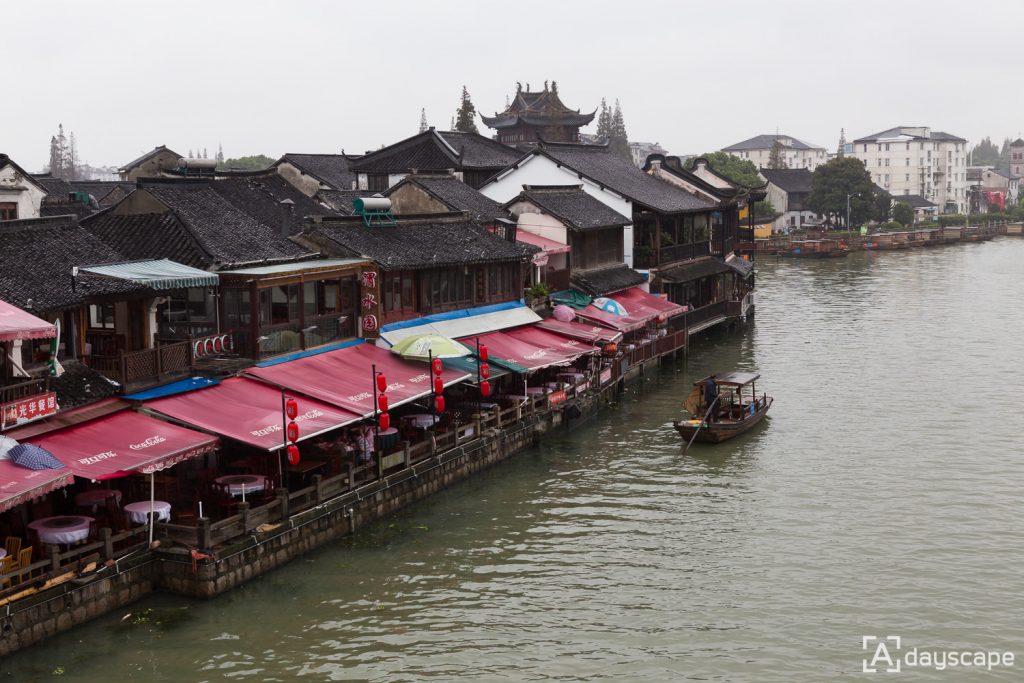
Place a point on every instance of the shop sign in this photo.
(556, 397)
(28, 409)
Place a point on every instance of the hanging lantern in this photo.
(438, 386)
(485, 370)
(384, 422)
(439, 403)
(482, 353)
(438, 366)
(485, 388)
(293, 432)
(293, 454)
(291, 408)
(382, 403)
(382, 383)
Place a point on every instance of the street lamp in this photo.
(849, 234)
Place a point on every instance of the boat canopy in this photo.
(734, 378)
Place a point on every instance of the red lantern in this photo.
(482, 353)
(438, 385)
(485, 388)
(384, 422)
(291, 408)
(293, 454)
(293, 432)
(382, 383)
(382, 403)
(438, 366)
(439, 403)
(485, 370)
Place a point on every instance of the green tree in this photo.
(465, 116)
(736, 170)
(903, 213)
(619, 140)
(604, 123)
(833, 182)
(775, 156)
(985, 153)
(250, 163)
(883, 206)
(424, 126)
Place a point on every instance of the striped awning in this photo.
(156, 274)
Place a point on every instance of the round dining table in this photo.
(138, 513)
(389, 437)
(422, 420)
(95, 497)
(64, 529)
(535, 391)
(243, 484)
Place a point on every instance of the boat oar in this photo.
(697, 431)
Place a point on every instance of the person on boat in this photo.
(710, 394)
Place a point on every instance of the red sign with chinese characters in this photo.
(28, 409)
(369, 303)
(556, 397)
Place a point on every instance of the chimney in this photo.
(287, 208)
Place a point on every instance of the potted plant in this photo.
(536, 296)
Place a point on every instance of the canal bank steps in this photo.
(211, 558)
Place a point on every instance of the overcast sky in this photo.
(303, 76)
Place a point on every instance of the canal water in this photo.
(882, 497)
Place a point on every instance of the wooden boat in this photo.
(737, 409)
(815, 249)
(885, 241)
(931, 237)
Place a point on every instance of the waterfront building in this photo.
(472, 158)
(536, 116)
(998, 188)
(923, 209)
(795, 152)
(1017, 158)
(788, 190)
(917, 160)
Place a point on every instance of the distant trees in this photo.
(611, 129)
(249, 163)
(776, 158)
(64, 162)
(883, 206)
(423, 121)
(734, 169)
(840, 179)
(986, 153)
(465, 116)
(903, 214)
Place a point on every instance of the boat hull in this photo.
(724, 430)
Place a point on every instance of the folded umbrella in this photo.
(34, 457)
(422, 346)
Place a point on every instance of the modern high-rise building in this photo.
(917, 160)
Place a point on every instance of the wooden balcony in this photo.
(136, 370)
(15, 392)
(644, 258)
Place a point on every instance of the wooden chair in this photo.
(114, 517)
(24, 560)
(226, 503)
(8, 564)
(12, 545)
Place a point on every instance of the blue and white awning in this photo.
(463, 323)
(156, 274)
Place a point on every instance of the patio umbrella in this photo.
(423, 346)
(34, 457)
(6, 444)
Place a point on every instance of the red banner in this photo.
(556, 397)
(29, 409)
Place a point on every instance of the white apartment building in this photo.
(917, 160)
(796, 153)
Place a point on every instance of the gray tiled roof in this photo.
(149, 236)
(788, 179)
(914, 200)
(340, 201)
(330, 169)
(574, 207)
(260, 197)
(900, 131)
(600, 281)
(768, 141)
(434, 150)
(456, 195)
(606, 168)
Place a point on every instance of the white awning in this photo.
(465, 323)
(156, 274)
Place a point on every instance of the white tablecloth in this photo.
(239, 483)
(95, 497)
(422, 420)
(138, 513)
(535, 391)
(64, 529)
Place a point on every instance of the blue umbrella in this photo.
(33, 457)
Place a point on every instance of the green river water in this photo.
(881, 497)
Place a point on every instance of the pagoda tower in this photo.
(533, 116)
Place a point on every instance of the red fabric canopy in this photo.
(122, 444)
(19, 484)
(640, 307)
(583, 331)
(345, 377)
(250, 411)
(17, 324)
(545, 243)
(533, 348)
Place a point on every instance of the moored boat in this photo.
(824, 248)
(736, 409)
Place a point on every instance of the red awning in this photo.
(640, 308)
(19, 484)
(122, 444)
(581, 330)
(546, 244)
(533, 348)
(250, 411)
(345, 377)
(18, 324)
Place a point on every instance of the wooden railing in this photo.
(148, 365)
(738, 309)
(700, 315)
(16, 392)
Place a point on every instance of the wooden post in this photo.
(282, 496)
(203, 535)
(318, 485)
(406, 457)
(243, 509)
(351, 477)
(108, 544)
(54, 553)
